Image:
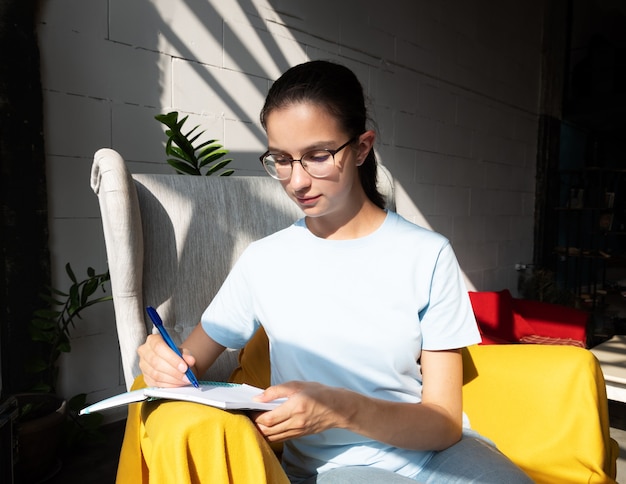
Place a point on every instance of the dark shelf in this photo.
(583, 209)
(586, 248)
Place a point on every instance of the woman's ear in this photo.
(366, 143)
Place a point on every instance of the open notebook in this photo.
(229, 396)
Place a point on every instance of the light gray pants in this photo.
(472, 460)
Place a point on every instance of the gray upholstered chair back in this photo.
(172, 239)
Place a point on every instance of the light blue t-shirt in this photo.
(347, 313)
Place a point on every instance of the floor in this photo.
(620, 436)
(617, 415)
(97, 465)
(93, 464)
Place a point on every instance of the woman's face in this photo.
(299, 128)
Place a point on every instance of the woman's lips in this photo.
(307, 200)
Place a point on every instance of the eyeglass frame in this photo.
(331, 152)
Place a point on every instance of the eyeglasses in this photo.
(317, 163)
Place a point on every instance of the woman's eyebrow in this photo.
(318, 145)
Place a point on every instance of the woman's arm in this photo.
(162, 367)
(433, 424)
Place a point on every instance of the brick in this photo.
(68, 115)
(217, 92)
(193, 34)
(416, 132)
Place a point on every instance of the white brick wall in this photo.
(453, 87)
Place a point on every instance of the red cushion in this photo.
(552, 320)
(494, 313)
(498, 319)
(521, 326)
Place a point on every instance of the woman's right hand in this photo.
(162, 367)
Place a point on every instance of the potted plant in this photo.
(541, 285)
(43, 418)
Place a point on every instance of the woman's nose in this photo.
(299, 177)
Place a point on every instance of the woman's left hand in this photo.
(310, 408)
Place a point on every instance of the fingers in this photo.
(287, 421)
(277, 434)
(272, 424)
(276, 425)
(308, 410)
(275, 392)
(189, 358)
(161, 366)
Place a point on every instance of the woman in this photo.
(366, 313)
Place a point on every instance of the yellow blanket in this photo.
(182, 442)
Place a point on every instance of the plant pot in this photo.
(39, 434)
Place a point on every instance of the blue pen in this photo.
(156, 319)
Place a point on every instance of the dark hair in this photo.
(336, 88)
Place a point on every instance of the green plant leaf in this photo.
(43, 336)
(217, 166)
(191, 140)
(183, 156)
(179, 125)
(58, 292)
(74, 296)
(96, 301)
(208, 147)
(41, 387)
(215, 155)
(41, 325)
(51, 300)
(51, 326)
(211, 142)
(89, 288)
(77, 402)
(47, 313)
(183, 168)
(70, 272)
(35, 365)
(64, 346)
(168, 119)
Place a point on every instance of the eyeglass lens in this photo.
(315, 163)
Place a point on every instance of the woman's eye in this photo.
(281, 160)
(317, 157)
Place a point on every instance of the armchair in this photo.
(170, 242)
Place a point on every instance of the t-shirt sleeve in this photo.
(230, 317)
(448, 320)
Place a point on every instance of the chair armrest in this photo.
(545, 407)
(121, 222)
